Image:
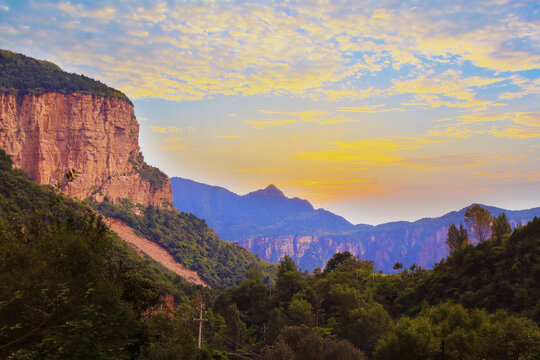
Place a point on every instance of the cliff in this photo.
(272, 225)
(50, 134)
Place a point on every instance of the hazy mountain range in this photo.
(272, 225)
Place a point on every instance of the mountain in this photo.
(272, 226)
(69, 287)
(53, 122)
(81, 137)
(261, 213)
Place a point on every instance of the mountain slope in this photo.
(272, 226)
(189, 240)
(69, 287)
(264, 212)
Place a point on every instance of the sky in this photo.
(375, 110)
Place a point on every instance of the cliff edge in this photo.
(49, 132)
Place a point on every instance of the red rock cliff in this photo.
(49, 134)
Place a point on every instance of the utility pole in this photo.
(200, 320)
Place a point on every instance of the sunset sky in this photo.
(375, 110)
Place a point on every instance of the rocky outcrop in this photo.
(51, 134)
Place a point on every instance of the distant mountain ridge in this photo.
(272, 225)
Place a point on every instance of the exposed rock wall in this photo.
(49, 134)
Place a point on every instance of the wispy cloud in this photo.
(261, 124)
(169, 129)
(227, 136)
(260, 171)
(330, 51)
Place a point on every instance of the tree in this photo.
(456, 239)
(289, 280)
(479, 221)
(302, 343)
(236, 329)
(397, 266)
(336, 260)
(410, 339)
(301, 312)
(500, 226)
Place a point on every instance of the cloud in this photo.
(227, 136)
(175, 143)
(328, 52)
(173, 139)
(517, 125)
(259, 171)
(321, 117)
(261, 124)
(334, 189)
(510, 176)
(366, 109)
(372, 152)
(515, 133)
(169, 129)
(447, 161)
(174, 147)
(450, 88)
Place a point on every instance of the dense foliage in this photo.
(479, 303)
(21, 74)
(190, 241)
(71, 289)
(500, 273)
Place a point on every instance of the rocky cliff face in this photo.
(50, 134)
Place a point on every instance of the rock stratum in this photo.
(49, 134)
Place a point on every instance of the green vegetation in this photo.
(462, 334)
(190, 241)
(500, 273)
(153, 175)
(21, 74)
(71, 289)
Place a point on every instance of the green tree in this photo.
(302, 343)
(301, 312)
(479, 221)
(336, 260)
(410, 339)
(236, 329)
(456, 239)
(500, 227)
(289, 280)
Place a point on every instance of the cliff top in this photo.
(23, 74)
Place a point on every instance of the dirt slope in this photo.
(153, 250)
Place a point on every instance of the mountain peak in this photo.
(272, 190)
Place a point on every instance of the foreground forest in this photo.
(71, 289)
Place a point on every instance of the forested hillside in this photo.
(190, 241)
(479, 303)
(71, 289)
